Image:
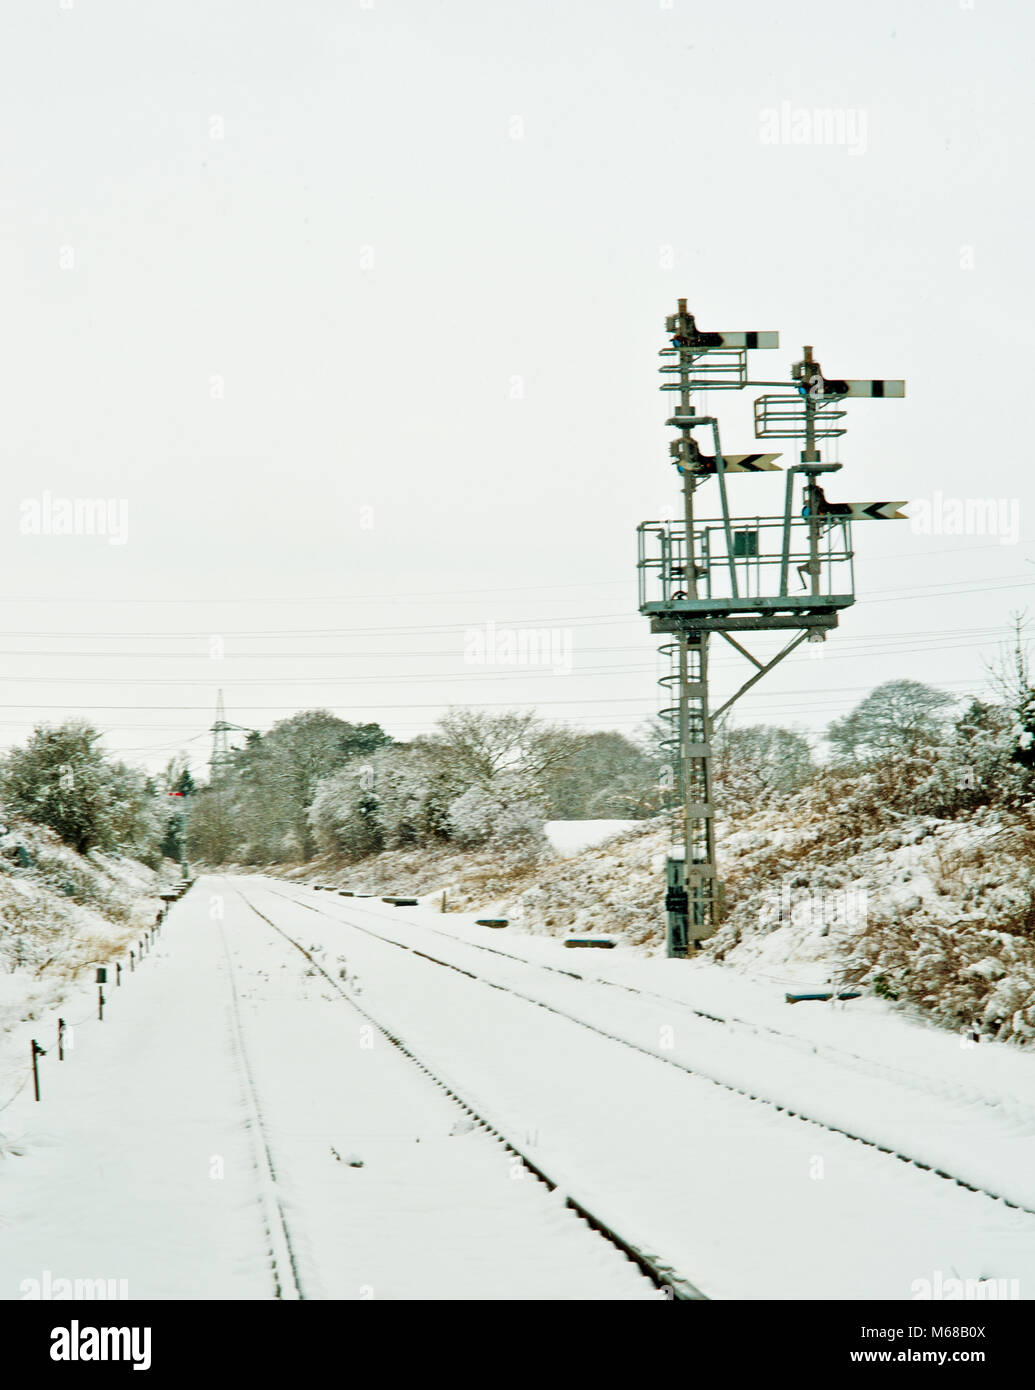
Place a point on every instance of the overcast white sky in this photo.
(267, 266)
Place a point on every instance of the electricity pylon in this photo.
(221, 754)
(219, 764)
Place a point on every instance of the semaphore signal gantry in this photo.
(733, 574)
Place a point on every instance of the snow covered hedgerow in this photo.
(969, 769)
(958, 973)
(974, 766)
(959, 779)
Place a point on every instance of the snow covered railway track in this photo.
(898, 1153)
(869, 1066)
(666, 1280)
(280, 1251)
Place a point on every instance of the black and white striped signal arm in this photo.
(685, 333)
(814, 383)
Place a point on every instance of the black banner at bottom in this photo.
(167, 1341)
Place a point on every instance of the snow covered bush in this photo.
(758, 762)
(498, 815)
(62, 779)
(344, 815)
(395, 797)
(412, 798)
(946, 770)
(961, 974)
(1022, 731)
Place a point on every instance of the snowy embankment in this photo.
(935, 916)
(61, 915)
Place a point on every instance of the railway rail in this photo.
(670, 1283)
(899, 1075)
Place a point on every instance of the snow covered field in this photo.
(570, 836)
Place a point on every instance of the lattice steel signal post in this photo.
(734, 574)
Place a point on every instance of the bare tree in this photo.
(476, 747)
(1010, 673)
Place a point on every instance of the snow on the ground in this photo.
(145, 1160)
(933, 913)
(744, 1200)
(62, 914)
(109, 1176)
(571, 836)
(865, 1035)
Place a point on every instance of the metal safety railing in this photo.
(783, 416)
(712, 369)
(752, 558)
